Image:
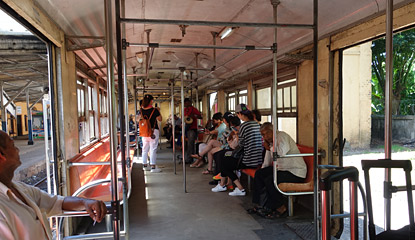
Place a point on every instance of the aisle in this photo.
(169, 213)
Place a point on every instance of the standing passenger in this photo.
(150, 143)
(191, 130)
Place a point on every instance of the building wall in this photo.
(357, 90)
(23, 106)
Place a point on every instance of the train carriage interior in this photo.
(336, 76)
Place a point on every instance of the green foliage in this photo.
(403, 90)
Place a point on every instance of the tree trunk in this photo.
(396, 102)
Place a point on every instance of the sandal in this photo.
(253, 210)
(197, 156)
(207, 171)
(267, 213)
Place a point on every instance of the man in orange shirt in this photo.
(191, 129)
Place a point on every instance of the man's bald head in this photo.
(267, 132)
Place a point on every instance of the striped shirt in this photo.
(251, 140)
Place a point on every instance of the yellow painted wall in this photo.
(38, 107)
(357, 90)
(221, 101)
(70, 111)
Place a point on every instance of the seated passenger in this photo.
(230, 142)
(220, 128)
(250, 141)
(23, 208)
(224, 144)
(268, 201)
(257, 115)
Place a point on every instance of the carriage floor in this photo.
(159, 208)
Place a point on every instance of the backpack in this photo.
(144, 125)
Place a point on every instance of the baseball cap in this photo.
(241, 108)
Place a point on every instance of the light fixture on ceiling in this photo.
(140, 57)
(226, 32)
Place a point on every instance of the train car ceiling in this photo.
(84, 28)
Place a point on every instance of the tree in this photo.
(403, 73)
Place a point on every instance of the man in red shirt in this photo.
(191, 129)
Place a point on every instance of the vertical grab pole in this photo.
(29, 118)
(3, 109)
(135, 114)
(183, 148)
(126, 164)
(354, 233)
(197, 76)
(173, 125)
(325, 215)
(315, 116)
(388, 103)
(274, 88)
(46, 134)
(112, 119)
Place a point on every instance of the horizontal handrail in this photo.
(402, 188)
(79, 213)
(343, 215)
(95, 235)
(300, 155)
(75, 164)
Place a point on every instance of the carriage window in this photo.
(231, 102)
(81, 99)
(87, 116)
(103, 115)
(243, 96)
(81, 113)
(288, 125)
(213, 104)
(287, 98)
(92, 96)
(263, 98)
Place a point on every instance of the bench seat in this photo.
(82, 175)
(306, 187)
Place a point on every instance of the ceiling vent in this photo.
(176, 40)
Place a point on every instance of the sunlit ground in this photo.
(400, 215)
